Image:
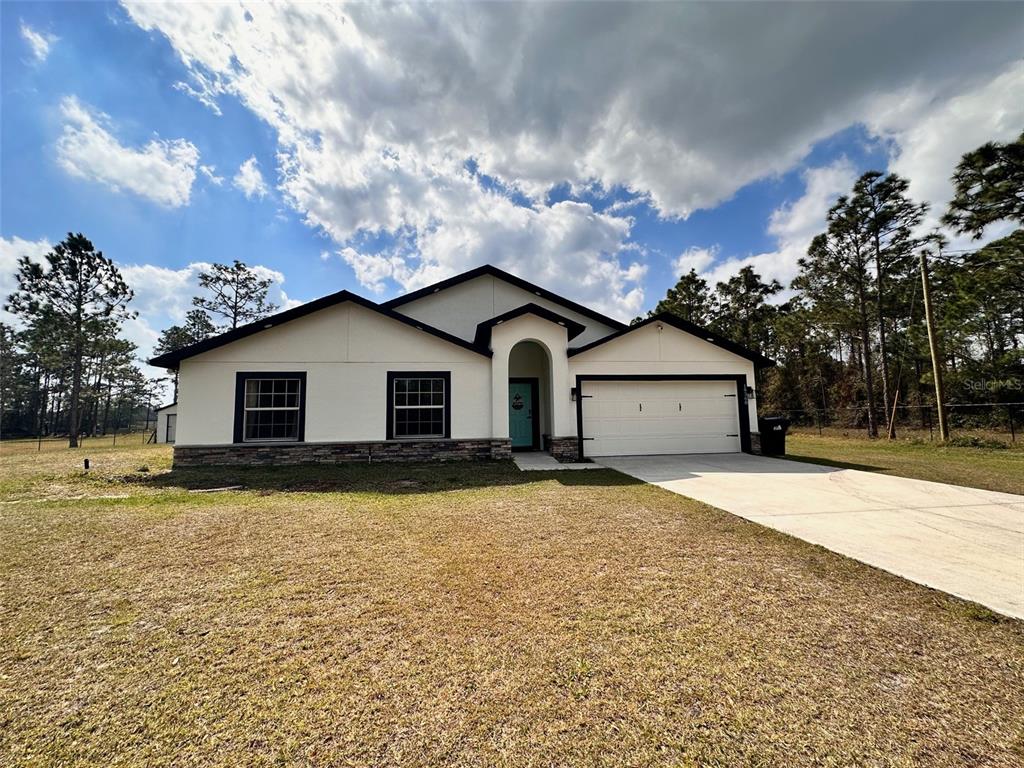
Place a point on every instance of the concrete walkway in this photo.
(964, 541)
(538, 461)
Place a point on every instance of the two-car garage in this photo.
(636, 416)
(664, 386)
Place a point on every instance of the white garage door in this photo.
(627, 418)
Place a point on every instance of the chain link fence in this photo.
(1002, 422)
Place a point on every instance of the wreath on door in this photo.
(517, 402)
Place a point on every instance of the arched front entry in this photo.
(530, 347)
(529, 396)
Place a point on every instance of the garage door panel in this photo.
(652, 446)
(654, 417)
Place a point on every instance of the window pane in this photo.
(419, 422)
(271, 425)
(271, 409)
(252, 389)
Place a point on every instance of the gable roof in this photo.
(483, 330)
(488, 270)
(759, 360)
(172, 359)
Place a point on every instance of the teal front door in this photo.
(521, 427)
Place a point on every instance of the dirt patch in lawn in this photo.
(521, 622)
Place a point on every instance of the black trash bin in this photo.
(773, 435)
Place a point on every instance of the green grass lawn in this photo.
(991, 468)
(462, 615)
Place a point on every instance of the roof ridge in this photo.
(493, 271)
(173, 359)
(706, 334)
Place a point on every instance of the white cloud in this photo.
(696, 258)
(38, 42)
(162, 297)
(930, 137)
(161, 171)
(250, 180)
(210, 172)
(793, 224)
(378, 107)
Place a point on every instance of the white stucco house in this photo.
(475, 366)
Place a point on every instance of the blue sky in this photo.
(380, 148)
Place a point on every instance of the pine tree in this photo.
(890, 218)
(79, 288)
(988, 187)
(689, 299)
(744, 314)
(237, 293)
(837, 265)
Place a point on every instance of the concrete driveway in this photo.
(964, 541)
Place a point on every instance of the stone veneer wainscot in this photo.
(393, 451)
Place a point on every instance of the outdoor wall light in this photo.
(750, 392)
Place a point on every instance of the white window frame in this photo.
(246, 409)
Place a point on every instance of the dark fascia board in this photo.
(483, 330)
(759, 360)
(171, 360)
(491, 271)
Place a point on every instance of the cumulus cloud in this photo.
(163, 295)
(38, 42)
(930, 137)
(697, 258)
(161, 171)
(793, 224)
(250, 180)
(377, 110)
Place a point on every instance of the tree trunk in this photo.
(74, 407)
(106, 407)
(882, 353)
(869, 386)
(57, 409)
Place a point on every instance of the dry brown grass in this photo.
(465, 616)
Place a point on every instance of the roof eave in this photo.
(172, 360)
(485, 328)
(759, 360)
(492, 271)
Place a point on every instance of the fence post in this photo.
(931, 433)
(1013, 433)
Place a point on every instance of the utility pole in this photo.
(933, 346)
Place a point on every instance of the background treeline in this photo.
(850, 339)
(65, 370)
